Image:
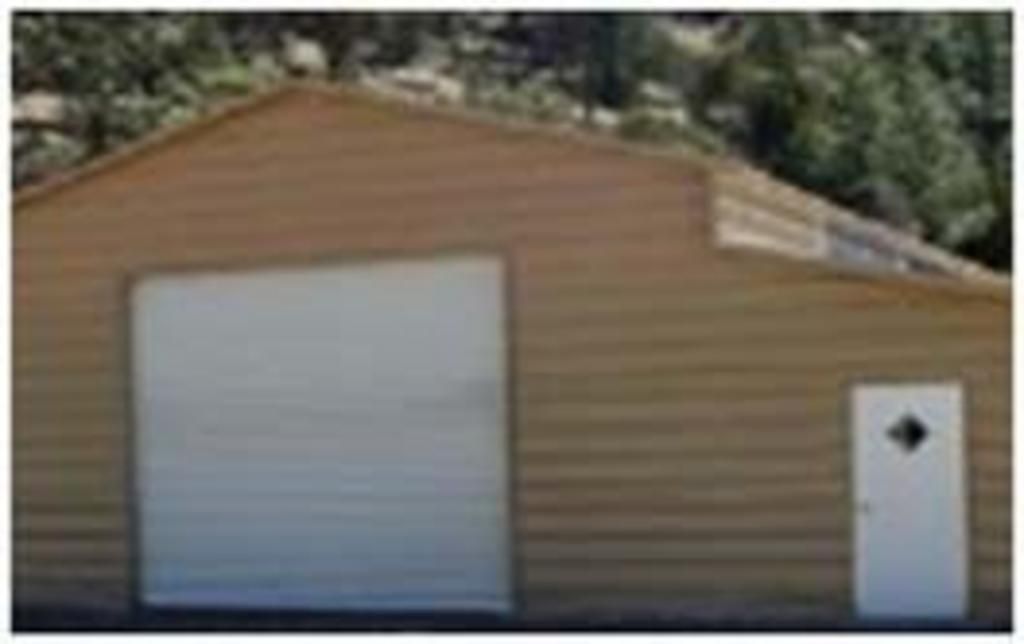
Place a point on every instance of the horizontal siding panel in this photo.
(693, 507)
(85, 349)
(687, 473)
(510, 222)
(716, 460)
(996, 552)
(79, 572)
(711, 578)
(102, 552)
(814, 520)
(709, 296)
(983, 531)
(697, 603)
(89, 416)
(996, 464)
(524, 206)
(468, 171)
(84, 427)
(89, 528)
(575, 486)
(659, 392)
(364, 154)
(994, 517)
(110, 502)
(860, 354)
(191, 185)
(991, 487)
(743, 383)
(994, 577)
(691, 411)
(69, 363)
(71, 465)
(105, 383)
(675, 552)
(677, 389)
(633, 253)
(105, 595)
(85, 424)
(90, 481)
(645, 334)
(688, 501)
(789, 426)
(991, 516)
(33, 293)
(556, 496)
(742, 440)
(29, 592)
(904, 370)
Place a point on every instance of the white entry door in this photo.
(911, 537)
(327, 438)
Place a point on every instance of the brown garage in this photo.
(324, 350)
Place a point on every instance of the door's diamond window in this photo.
(908, 432)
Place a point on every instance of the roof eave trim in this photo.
(147, 144)
(997, 291)
(826, 212)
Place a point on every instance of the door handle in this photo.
(863, 507)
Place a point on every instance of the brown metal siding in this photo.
(680, 413)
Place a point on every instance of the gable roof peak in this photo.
(717, 169)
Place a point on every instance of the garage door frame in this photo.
(132, 488)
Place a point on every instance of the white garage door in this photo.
(325, 438)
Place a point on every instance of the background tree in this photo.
(903, 116)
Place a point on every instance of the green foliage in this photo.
(652, 125)
(534, 100)
(40, 152)
(904, 116)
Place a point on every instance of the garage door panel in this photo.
(328, 438)
(400, 305)
(449, 439)
(292, 486)
(312, 597)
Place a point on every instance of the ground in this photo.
(227, 621)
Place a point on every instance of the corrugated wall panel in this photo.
(680, 415)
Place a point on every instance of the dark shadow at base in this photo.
(184, 621)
